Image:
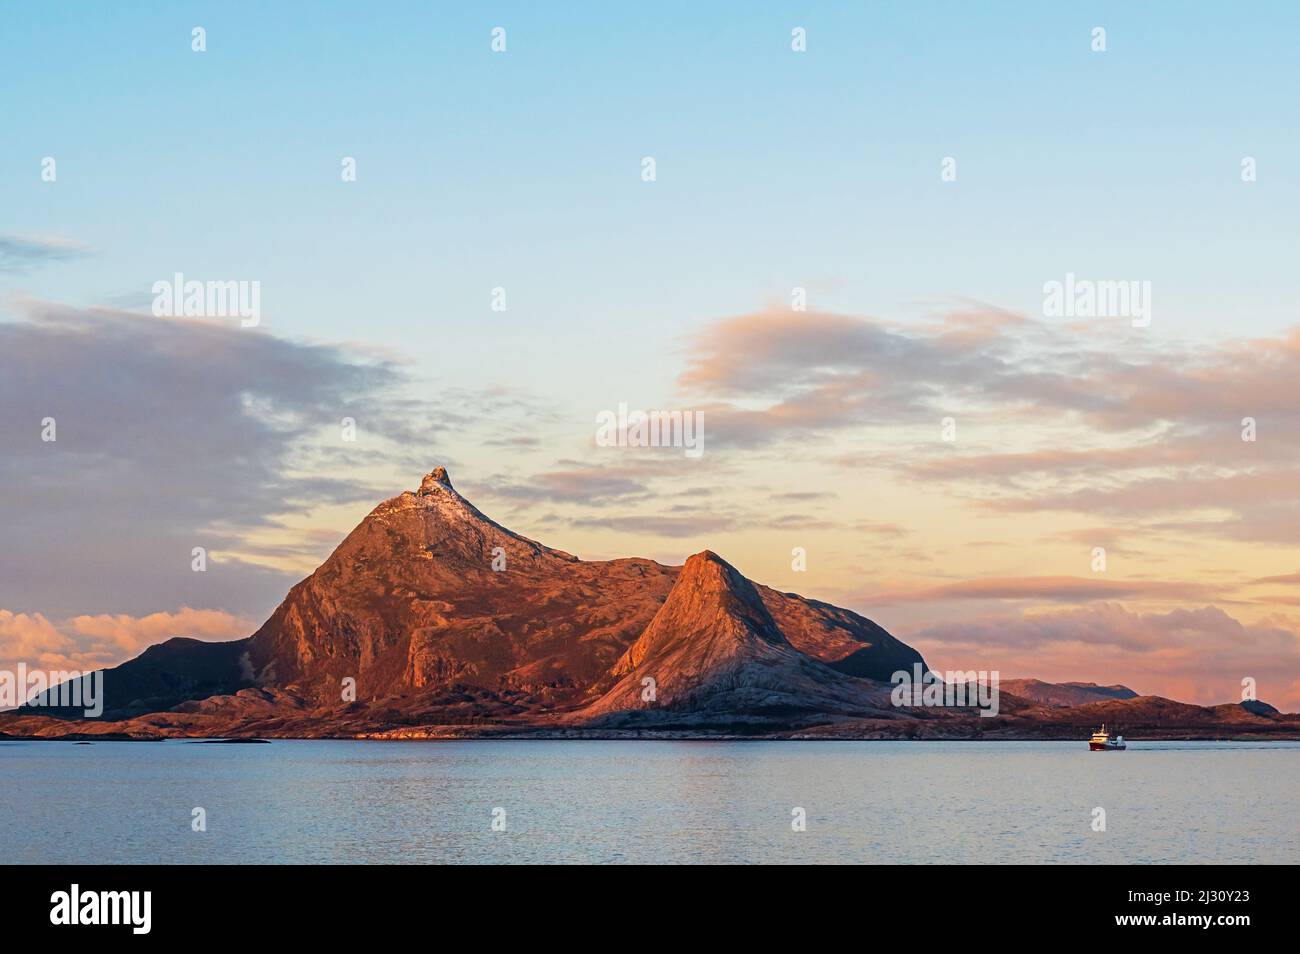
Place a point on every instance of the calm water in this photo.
(986, 802)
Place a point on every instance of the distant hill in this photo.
(1064, 693)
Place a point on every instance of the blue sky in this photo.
(775, 169)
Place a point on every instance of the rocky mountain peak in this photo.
(711, 614)
(434, 479)
(707, 567)
(708, 583)
(714, 647)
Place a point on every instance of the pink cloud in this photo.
(1108, 424)
(1050, 588)
(1198, 655)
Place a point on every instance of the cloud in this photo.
(592, 485)
(879, 529)
(95, 642)
(31, 638)
(783, 352)
(1065, 589)
(784, 370)
(1195, 655)
(20, 255)
(1114, 539)
(659, 526)
(520, 442)
(1096, 420)
(173, 434)
(814, 371)
(796, 521)
(1059, 462)
(1255, 505)
(1289, 578)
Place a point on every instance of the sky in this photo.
(824, 170)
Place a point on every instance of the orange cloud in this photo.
(94, 642)
(1051, 588)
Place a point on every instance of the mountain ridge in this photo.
(432, 620)
(714, 650)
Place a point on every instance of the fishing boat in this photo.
(1102, 742)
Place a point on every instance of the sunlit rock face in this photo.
(429, 612)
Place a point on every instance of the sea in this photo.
(612, 802)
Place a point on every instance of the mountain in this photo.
(840, 638)
(1064, 693)
(410, 600)
(166, 675)
(428, 603)
(1255, 707)
(714, 656)
(1154, 715)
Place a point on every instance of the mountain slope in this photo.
(164, 676)
(428, 599)
(715, 651)
(411, 600)
(842, 639)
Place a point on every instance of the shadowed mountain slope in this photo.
(1065, 693)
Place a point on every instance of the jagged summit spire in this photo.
(433, 478)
